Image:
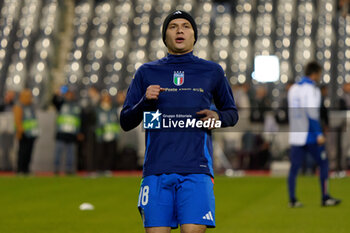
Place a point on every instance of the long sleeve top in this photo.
(190, 85)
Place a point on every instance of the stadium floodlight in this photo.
(266, 68)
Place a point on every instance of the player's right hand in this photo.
(321, 140)
(153, 92)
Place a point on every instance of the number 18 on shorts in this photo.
(169, 200)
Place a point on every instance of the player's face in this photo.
(179, 37)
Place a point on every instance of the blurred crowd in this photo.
(87, 135)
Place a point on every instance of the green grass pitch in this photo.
(243, 205)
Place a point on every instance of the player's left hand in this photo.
(209, 114)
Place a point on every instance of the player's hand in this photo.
(153, 92)
(321, 140)
(208, 114)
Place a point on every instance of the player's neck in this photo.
(179, 53)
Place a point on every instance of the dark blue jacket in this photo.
(179, 151)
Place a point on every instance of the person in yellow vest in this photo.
(27, 130)
(107, 131)
(68, 123)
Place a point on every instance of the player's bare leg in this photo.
(158, 229)
(193, 228)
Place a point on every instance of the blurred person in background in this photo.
(309, 166)
(306, 136)
(7, 135)
(8, 101)
(237, 145)
(240, 93)
(344, 7)
(131, 144)
(260, 155)
(344, 102)
(27, 130)
(86, 147)
(324, 112)
(68, 124)
(120, 99)
(260, 104)
(107, 133)
(344, 152)
(282, 110)
(178, 164)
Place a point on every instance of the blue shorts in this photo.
(168, 200)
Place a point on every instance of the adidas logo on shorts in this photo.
(208, 216)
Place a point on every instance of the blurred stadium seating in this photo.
(47, 43)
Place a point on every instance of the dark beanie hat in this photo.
(175, 15)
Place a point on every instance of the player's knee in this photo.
(193, 228)
(158, 229)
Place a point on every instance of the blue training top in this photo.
(200, 82)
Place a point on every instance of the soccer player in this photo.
(177, 184)
(304, 101)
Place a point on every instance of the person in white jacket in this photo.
(304, 102)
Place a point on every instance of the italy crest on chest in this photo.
(179, 78)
